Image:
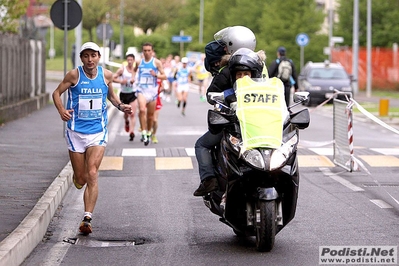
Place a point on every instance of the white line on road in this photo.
(382, 204)
(340, 180)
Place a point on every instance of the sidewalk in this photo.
(35, 176)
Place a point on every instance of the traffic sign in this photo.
(74, 14)
(182, 38)
(104, 30)
(337, 39)
(302, 39)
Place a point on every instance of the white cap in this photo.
(90, 46)
(184, 60)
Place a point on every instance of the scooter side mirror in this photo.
(301, 119)
(301, 96)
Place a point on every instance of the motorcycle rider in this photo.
(231, 38)
(245, 62)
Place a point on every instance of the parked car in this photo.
(322, 79)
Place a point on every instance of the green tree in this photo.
(186, 21)
(94, 13)
(150, 14)
(282, 21)
(10, 12)
(384, 22)
(246, 13)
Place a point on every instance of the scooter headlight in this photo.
(279, 156)
(254, 158)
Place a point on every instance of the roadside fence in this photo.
(22, 73)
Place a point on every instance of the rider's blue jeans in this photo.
(203, 148)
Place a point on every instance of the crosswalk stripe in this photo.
(380, 160)
(176, 159)
(323, 151)
(175, 163)
(139, 152)
(111, 163)
(190, 151)
(386, 151)
(314, 161)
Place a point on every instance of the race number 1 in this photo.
(90, 106)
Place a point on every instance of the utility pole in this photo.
(78, 40)
(369, 53)
(330, 30)
(355, 47)
(121, 40)
(201, 22)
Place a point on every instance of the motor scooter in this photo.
(258, 182)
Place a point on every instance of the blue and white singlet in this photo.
(182, 76)
(88, 99)
(145, 79)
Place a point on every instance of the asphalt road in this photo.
(146, 214)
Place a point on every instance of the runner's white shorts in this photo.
(150, 94)
(183, 87)
(79, 142)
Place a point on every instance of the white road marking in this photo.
(341, 180)
(386, 151)
(323, 151)
(190, 151)
(382, 204)
(139, 152)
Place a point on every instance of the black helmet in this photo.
(245, 59)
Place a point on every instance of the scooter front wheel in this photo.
(266, 223)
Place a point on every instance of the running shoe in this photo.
(154, 139)
(77, 185)
(85, 226)
(127, 125)
(131, 136)
(145, 139)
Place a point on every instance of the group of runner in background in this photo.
(172, 76)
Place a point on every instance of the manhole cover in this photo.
(88, 242)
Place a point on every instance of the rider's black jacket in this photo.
(222, 81)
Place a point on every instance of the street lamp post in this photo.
(355, 47)
(201, 22)
(121, 30)
(330, 30)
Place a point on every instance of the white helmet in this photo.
(184, 60)
(236, 37)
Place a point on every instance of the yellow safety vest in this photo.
(261, 110)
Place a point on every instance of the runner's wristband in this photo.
(119, 107)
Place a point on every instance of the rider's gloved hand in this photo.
(229, 96)
(233, 106)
